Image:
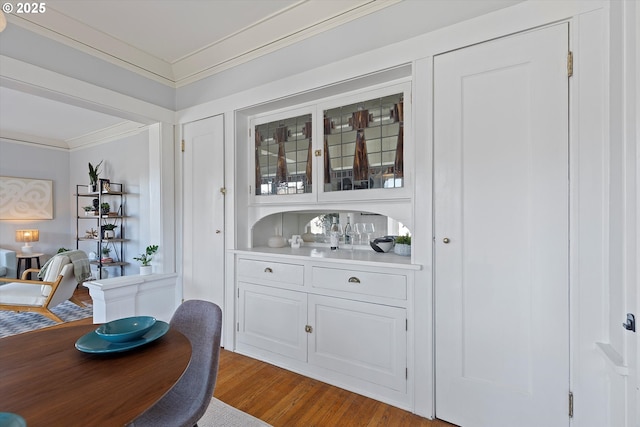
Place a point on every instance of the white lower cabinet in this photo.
(364, 340)
(273, 319)
(341, 325)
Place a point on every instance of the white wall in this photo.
(125, 161)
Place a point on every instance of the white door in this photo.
(203, 166)
(501, 232)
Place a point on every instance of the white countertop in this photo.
(346, 256)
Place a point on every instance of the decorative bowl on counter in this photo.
(382, 244)
(126, 329)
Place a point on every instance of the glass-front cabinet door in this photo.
(344, 148)
(364, 145)
(283, 163)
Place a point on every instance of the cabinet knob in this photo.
(308, 329)
(218, 232)
(445, 240)
(268, 270)
(318, 153)
(354, 279)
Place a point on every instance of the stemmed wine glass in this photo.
(359, 230)
(369, 229)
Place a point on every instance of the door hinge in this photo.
(630, 324)
(238, 293)
(238, 327)
(406, 324)
(406, 373)
(569, 64)
(182, 146)
(570, 404)
(249, 190)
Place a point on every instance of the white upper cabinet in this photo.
(344, 148)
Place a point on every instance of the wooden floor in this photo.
(285, 399)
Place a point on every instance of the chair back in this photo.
(66, 288)
(187, 401)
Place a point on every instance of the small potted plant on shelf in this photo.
(106, 259)
(94, 171)
(105, 208)
(145, 259)
(403, 245)
(88, 210)
(108, 231)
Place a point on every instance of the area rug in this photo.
(16, 323)
(219, 414)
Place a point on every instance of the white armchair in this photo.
(8, 264)
(58, 284)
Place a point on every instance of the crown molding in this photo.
(111, 133)
(62, 29)
(297, 23)
(22, 138)
(302, 20)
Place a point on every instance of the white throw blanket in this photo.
(80, 261)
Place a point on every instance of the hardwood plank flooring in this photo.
(286, 399)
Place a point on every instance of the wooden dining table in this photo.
(48, 382)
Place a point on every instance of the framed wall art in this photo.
(25, 198)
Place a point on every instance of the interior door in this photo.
(203, 177)
(501, 232)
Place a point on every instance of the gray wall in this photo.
(33, 161)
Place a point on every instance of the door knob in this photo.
(446, 240)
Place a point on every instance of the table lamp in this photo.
(27, 236)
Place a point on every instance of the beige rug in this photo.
(219, 414)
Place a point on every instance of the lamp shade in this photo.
(27, 236)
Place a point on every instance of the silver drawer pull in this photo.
(354, 279)
(268, 270)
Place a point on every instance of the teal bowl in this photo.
(127, 329)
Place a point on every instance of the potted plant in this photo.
(105, 255)
(145, 259)
(105, 208)
(88, 210)
(403, 245)
(93, 177)
(108, 231)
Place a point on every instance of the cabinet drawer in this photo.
(272, 271)
(361, 282)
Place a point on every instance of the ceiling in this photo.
(174, 42)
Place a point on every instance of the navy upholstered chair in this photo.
(187, 401)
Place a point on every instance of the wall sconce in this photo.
(27, 236)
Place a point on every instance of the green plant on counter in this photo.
(403, 240)
(146, 257)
